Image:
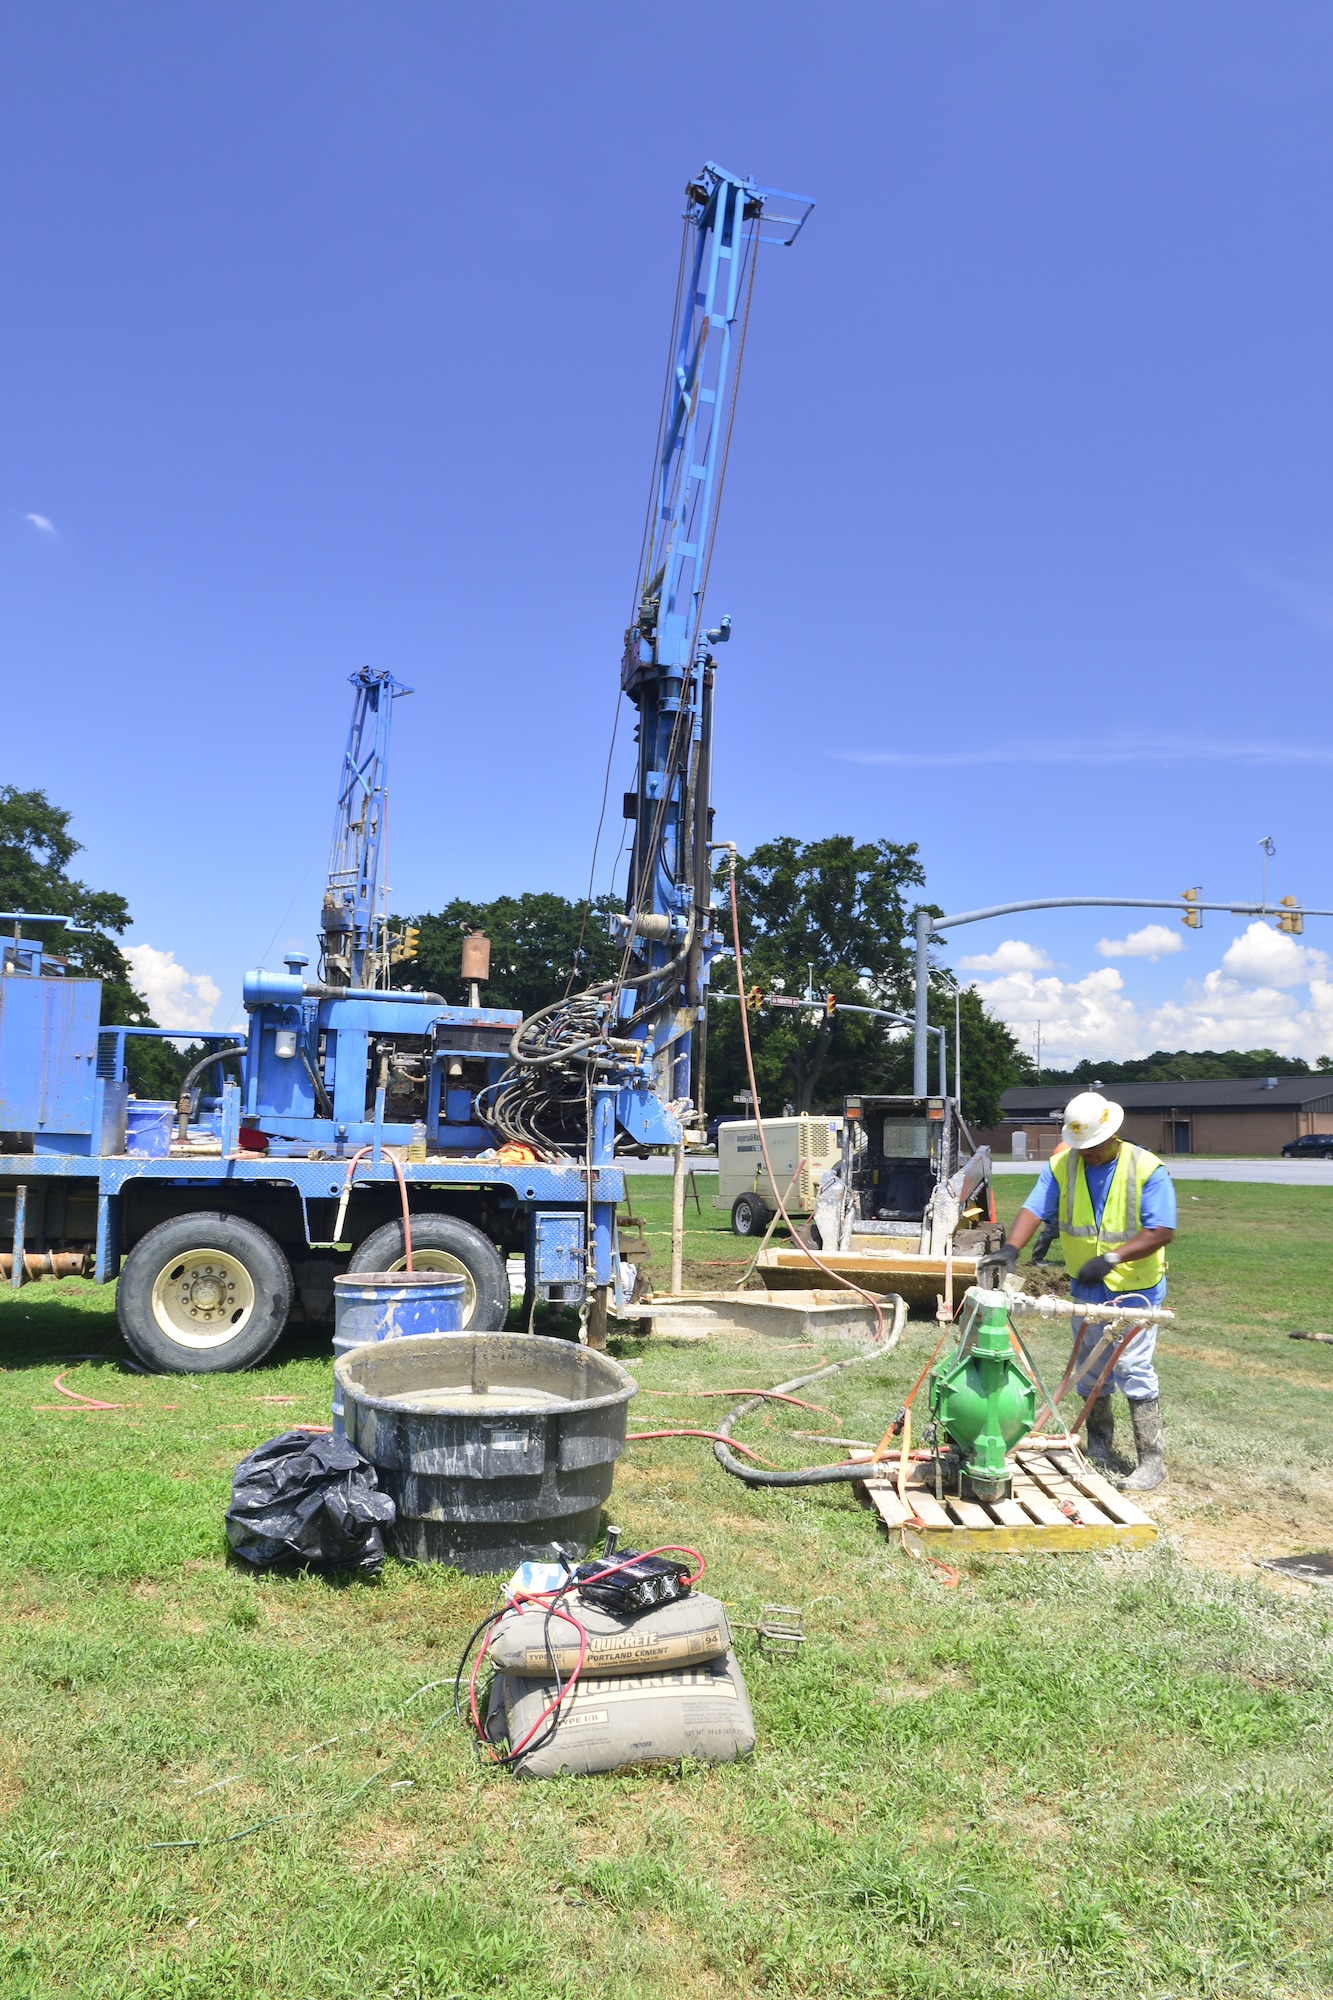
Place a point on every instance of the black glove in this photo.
(996, 1266)
(1094, 1272)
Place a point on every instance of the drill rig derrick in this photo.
(623, 1058)
(351, 955)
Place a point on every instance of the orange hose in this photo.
(402, 1190)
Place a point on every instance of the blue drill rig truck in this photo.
(299, 1149)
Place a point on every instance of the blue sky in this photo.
(335, 334)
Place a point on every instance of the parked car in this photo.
(1311, 1146)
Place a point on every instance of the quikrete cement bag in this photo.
(686, 1633)
(642, 1719)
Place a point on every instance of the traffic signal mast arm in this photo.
(1291, 918)
(1186, 903)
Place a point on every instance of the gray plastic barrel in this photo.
(495, 1446)
(148, 1123)
(386, 1305)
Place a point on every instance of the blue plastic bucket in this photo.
(148, 1123)
(385, 1305)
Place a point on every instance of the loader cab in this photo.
(897, 1149)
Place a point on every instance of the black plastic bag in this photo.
(310, 1500)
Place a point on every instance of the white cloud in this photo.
(40, 522)
(1153, 941)
(1265, 957)
(1088, 1016)
(176, 998)
(1011, 956)
(1094, 1017)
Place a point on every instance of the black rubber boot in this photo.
(1101, 1435)
(1151, 1471)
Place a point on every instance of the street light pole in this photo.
(920, 1073)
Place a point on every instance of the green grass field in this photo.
(1069, 1776)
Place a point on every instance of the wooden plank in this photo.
(1108, 1499)
(887, 1505)
(1061, 1487)
(1065, 1539)
(1038, 1503)
(1032, 1521)
(929, 1510)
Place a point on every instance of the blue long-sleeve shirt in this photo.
(1157, 1210)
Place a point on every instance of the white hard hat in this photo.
(1091, 1119)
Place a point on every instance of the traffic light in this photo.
(1193, 918)
(1292, 920)
(754, 999)
(405, 945)
(830, 1005)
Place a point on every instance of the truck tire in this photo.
(444, 1243)
(749, 1215)
(203, 1294)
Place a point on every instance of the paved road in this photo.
(1282, 1173)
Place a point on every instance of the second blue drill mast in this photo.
(348, 920)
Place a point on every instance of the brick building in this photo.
(1251, 1116)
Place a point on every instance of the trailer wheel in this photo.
(203, 1295)
(749, 1215)
(444, 1243)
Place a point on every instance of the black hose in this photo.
(191, 1077)
(323, 1102)
(813, 1475)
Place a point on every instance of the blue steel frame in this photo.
(562, 1189)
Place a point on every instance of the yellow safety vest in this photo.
(1082, 1236)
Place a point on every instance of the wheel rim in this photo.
(443, 1260)
(203, 1298)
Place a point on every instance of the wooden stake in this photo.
(678, 1221)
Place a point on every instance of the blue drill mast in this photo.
(668, 667)
(621, 1058)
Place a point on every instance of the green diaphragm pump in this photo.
(983, 1398)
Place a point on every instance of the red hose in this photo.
(634, 1436)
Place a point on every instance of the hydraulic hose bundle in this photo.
(541, 1099)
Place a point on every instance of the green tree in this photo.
(836, 914)
(36, 849)
(542, 946)
(830, 913)
(1184, 1065)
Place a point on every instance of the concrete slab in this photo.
(815, 1315)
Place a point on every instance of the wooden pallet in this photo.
(1058, 1503)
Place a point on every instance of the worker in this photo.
(1115, 1205)
(1041, 1249)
